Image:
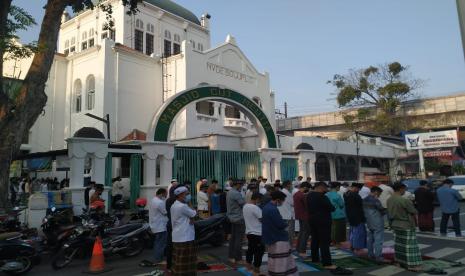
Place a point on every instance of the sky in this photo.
(303, 43)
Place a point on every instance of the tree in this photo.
(376, 93)
(20, 109)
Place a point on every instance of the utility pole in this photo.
(285, 109)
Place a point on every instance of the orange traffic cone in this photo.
(97, 262)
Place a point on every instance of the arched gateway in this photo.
(161, 124)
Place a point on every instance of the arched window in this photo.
(150, 28)
(77, 96)
(72, 47)
(139, 36)
(139, 24)
(84, 41)
(66, 48)
(167, 44)
(108, 32)
(90, 88)
(322, 169)
(91, 37)
(193, 43)
(176, 44)
(200, 47)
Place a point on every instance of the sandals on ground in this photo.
(341, 271)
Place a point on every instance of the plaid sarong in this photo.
(184, 258)
(406, 248)
(280, 260)
(338, 230)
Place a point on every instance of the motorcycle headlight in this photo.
(65, 245)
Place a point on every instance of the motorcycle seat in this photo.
(10, 236)
(124, 229)
(209, 221)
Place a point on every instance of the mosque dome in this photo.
(89, 132)
(172, 7)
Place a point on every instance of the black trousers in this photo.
(169, 247)
(455, 222)
(255, 250)
(235, 243)
(321, 239)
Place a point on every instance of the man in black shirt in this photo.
(356, 217)
(319, 210)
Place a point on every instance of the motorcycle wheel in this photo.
(27, 264)
(63, 257)
(218, 239)
(135, 247)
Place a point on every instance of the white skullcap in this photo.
(180, 190)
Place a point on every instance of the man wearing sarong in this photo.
(356, 217)
(424, 201)
(183, 235)
(402, 217)
(338, 229)
(275, 237)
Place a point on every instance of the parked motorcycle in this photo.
(10, 223)
(211, 230)
(126, 240)
(57, 227)
(16, 255)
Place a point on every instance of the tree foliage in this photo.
(376, 92)
(19, 113)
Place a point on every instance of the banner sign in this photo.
(430, 140)
(439, 153)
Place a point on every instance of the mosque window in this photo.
(66, 48)
(72, 48)
(77, 96)
(148, 43)
(84, 41)
(139, 41)
(232, 112)
(139, 24)
(90, 85)
(167, 44)
(108, 32)
(193, 43)
(176, 44)
(200, 47)
(150, 28)
(167, 35)
(91, 38)
(205, 108)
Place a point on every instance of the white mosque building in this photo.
(134, 69)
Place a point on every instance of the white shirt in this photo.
(364, 192)
(117, 189)
(386, 194)
(252, 215)
(202, 201)
(262, 188)
(287, 209)
(342, 191)
(183, 230)
(157, 215)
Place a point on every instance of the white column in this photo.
(277, 169)
(166, 171)
(76, 174)
(98, 174)
(150, 171)
(302, 167)
(311, 169)
(332, 168)
(266, 169)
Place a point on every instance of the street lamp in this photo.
(105, 120)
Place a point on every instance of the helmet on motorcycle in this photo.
(120, 204)
(141, 202)
(97, 205)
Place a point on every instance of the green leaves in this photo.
(380, 88)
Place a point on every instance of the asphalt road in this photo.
(431, 244)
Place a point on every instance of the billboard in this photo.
(431, 140)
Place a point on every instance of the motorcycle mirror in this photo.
(53, 209)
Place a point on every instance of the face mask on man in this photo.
(188, 198)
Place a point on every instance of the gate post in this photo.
(271, 163)
(78, 150)
(151, 152)
(306, 163)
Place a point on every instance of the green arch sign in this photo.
(178, 102)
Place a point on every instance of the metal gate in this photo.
(288, 169)
(190, 164)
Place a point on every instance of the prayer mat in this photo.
(206, 258)
(351, 263)
(216, 267)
